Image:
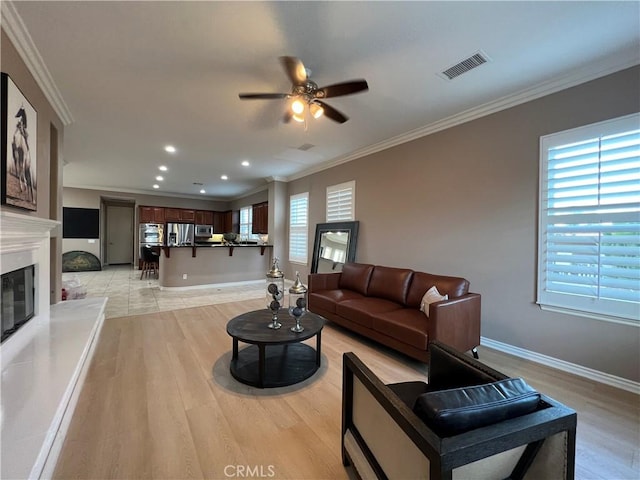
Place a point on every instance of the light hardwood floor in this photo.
(158, 402)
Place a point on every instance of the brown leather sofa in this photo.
(383, 304)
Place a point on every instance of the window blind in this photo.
(298, 227)
(246, 215)
(589, 236)
(341, 202)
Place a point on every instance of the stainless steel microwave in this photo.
(204, 230)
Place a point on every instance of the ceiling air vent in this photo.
(306, 146)
(465, 65)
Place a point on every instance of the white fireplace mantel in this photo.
(23, 232)
(24, 241)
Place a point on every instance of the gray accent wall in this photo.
(464, 202)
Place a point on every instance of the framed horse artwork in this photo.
(19, 144)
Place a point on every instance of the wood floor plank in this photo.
(193, 383)
(213, 432)
(173, 452)
(159, 402)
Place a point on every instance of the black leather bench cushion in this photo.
(450, 412)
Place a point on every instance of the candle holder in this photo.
(297, 303)
(275, 293)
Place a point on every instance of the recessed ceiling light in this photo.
(202, 191)
(159, 178)
(224, 177)
(163, 168)
(245, 163)
(156, 185)
(170, 149)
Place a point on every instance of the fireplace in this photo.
(24, 246)
(17, 299)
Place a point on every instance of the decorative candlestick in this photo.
(275, 293)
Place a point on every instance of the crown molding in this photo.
(154, 193)
(579, 76)
(17, 32)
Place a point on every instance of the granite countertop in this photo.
(204, 245)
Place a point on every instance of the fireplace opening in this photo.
(17, 300)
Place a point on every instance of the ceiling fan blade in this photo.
(295, 70)
(262, 96)
(332, 113)
(344, 88)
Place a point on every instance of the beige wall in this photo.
(463, 201)
(252, 199)
(12, 64)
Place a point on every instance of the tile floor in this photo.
(128, 295)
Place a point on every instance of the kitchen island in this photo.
(214, 264)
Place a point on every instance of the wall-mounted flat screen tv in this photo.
(80, 222)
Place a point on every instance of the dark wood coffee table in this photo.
(275, 358)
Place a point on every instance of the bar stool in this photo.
(150, 263)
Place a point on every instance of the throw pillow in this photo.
(432, 295)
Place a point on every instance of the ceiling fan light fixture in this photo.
(297, 106)
(316, 110)
(298, 118)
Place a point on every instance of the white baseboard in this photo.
(211, 285)
(606, 378)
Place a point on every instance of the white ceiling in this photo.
(135, 76)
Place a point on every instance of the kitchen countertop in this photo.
(230, 247)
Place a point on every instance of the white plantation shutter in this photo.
(246, 224)
(341, 202)
(589, 235)
(245, 221)
(298, 227)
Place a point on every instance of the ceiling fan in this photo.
(306, 96)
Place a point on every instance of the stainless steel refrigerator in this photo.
(179, 234)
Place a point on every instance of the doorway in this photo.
(119, 232)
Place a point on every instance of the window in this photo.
(589, 231)
(298, 227)
(246, 224)
(341, 202)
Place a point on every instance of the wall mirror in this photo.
(335, 244)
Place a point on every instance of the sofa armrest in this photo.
(379, 430)
(323, 281)
(456, 322)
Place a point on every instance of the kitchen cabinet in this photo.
(218, 222)
(205, 217)
(232, 221)
(179, 215)
(260, 218)
(172, 214)
(151, 215)
(187, 216)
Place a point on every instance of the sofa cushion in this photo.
(450, 412)
(431, 296)
(355, 276)
(406, 325)
(360, 310)
(390, 283)
(327, 299)
(421, 282)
